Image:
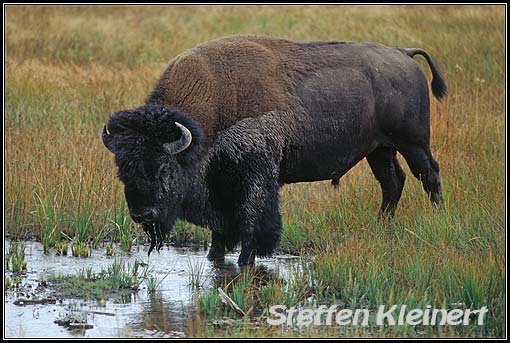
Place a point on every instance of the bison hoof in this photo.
(246, 259)
(215, 256)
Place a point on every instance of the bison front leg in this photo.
(217, 250)
(248, 252)
(246, 234)
(261, 226)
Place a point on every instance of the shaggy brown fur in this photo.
(225, 80)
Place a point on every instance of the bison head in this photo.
(155, 148)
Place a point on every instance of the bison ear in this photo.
(107, 139)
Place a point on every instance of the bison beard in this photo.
(156, 237)
(157, 233)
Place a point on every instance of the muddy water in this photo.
(167, 313)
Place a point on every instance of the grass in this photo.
(110, 249)
(63, 78)
(196, 274)
(209, 303)
(80, 249)
(15, 258)
(61, 248)
(8, 283)
(123, 225)
(186, 233)
(12, 283)
(152, 283)
(118, 279)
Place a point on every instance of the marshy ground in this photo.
(68, 68)
(128, 295)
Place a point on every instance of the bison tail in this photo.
(439, 87)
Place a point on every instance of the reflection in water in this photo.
(166, 316)
(224, 274)
(176, 316)
(171, 310)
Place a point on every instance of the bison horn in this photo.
(182, 143)
(107, 139)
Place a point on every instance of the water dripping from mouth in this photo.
(151, 232)
(155, 235)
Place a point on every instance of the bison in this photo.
(234, 119)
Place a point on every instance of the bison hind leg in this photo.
(425, 168)
(267, 233)
(391, 177)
